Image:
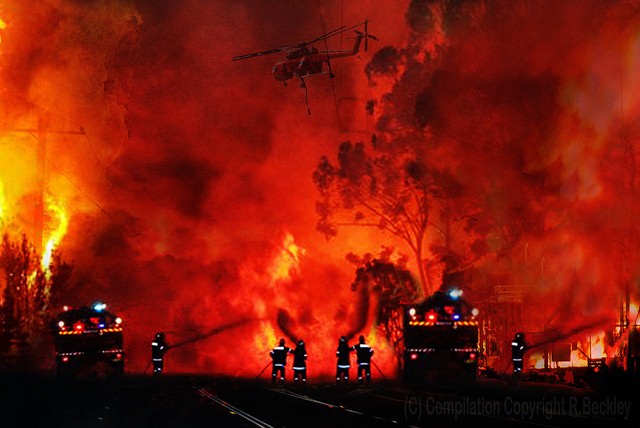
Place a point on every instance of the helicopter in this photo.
(304, 60)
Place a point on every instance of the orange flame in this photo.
(283, 265)
(287, 260)
(3, 202)
(60, 220)
(592, 345)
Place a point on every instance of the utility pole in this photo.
(41, 154)
(40, 134)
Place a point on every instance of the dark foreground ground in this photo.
(28, 400)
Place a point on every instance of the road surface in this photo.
(28, 400)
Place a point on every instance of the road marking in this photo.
(234, 410)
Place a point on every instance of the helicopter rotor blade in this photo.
(304, 44)
(334, 33)
(327, 35)
(252, 55)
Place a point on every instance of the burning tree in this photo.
(376, 190)
(397, 188)
(406, 182)
(27, 287)
(391, 284)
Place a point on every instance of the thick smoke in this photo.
(191, 190)
(533, 105)
(191, 199)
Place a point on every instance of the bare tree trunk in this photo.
(424, 282)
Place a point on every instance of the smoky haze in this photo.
(533, 105)
(191, 192)
(191, 197)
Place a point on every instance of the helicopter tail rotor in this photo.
(366, 36)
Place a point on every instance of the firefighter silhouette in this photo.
(518, 347)
(158, 348)
(364, 353)
(279, 360)
(342, 372)
(300, 362)
(633, 351)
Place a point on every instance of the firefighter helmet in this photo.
(361, 339)
(281, 342)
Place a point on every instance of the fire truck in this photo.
(88, 340)
(440, 339)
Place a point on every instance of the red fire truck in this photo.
(440, 339)
(88, 340)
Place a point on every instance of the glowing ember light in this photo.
(65, 308)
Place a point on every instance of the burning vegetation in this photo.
(516, 125)
(498, 155)
(28, 286)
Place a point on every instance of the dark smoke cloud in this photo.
(193, 168)
(523, 101)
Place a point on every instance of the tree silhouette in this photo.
(391, 284)
(26, 290)
(393, 189)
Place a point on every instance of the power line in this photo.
(333, 87)
(99, 206)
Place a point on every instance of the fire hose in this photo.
(265, 367)
(378, 368)
(560, 336)
(204, 336)
(372, 362)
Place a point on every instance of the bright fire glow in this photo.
(592, 345)
(633, 313)
(3, 201)
(286, 260)
(3, 26)
(551, 121)
(58, 225)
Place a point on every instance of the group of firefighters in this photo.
(363, 352)
(279, 355)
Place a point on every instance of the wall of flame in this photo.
(189, 202)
